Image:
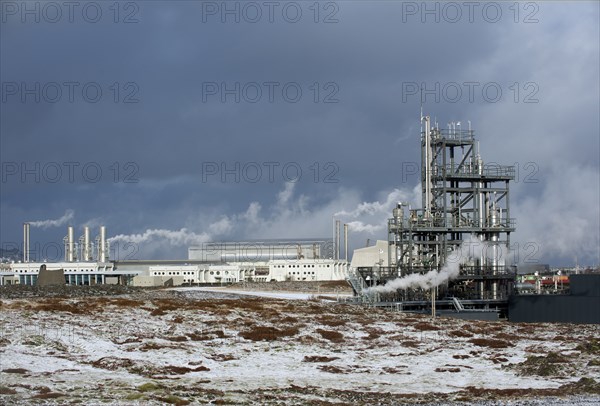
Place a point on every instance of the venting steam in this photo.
(69, 214)
(470, 248)
(174, 237)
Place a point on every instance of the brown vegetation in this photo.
(265, 333)
(491, 343)
(333, 336)
(21, 371)
(318, 358)
(445, 369)
(548, 365)
(423, 326)
(332, 369)
(460, 333)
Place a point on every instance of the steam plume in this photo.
(174, 237)
(69, 214)
(470, 247)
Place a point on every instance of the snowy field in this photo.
(198, 346)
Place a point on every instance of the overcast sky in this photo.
(174, 123)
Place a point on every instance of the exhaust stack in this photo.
(338, 248)
(25, 242)
(102, 245)
(346, 241)
(69, 245)
(86, 247)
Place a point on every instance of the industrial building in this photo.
(462, 198)
(238, 261)
(87, 263)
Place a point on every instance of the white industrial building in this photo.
(375, 255)
(245, 261)
(231, 272)
(87, 263)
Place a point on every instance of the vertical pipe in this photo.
(426, 167)
(346, 241)
(25, 242)
(334, 239)
(86, 254)
(70, 246)
(337, 239)
(102, 245)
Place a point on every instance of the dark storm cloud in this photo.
(171, 131)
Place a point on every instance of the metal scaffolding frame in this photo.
(461, 196)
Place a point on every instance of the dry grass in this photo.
(460, 333)
(490, 343)
(548, 365)
(410, 344)
(423, 326)
(332, 369)
(151, 346)
(48, 395)
(447, 369)
(176, 370)
(289, 320)
(373, 333)
(590, 347)
(265, 333)
(20, 371)
(333, 336)
(332, 321)
(318, 358)
(177, 338)
(222, 357)
(507, 337)
(7, 391)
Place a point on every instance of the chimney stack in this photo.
(70, 245)
(102, 251)
(337, 240)
(86, 248)
(346, 241)
(25, 242)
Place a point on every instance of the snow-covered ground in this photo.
(272, 295)
(189, 345)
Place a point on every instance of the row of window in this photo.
(66, 270)
(303, 266)
(157, 273)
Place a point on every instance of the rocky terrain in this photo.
(120, 345)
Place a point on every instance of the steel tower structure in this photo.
(461, 196)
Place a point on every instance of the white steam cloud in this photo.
(470, 247)
(173, 237)
(371, 217)
(69, 214)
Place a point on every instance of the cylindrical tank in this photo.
(398, 213)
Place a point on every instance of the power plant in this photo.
(448, 257)
(464, 202)
(87, 263)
